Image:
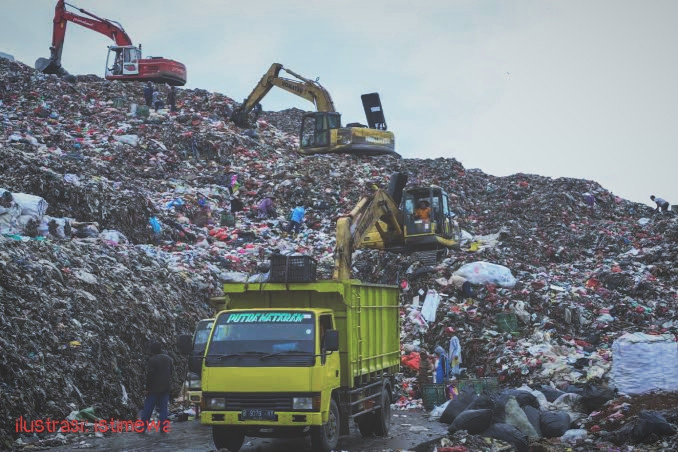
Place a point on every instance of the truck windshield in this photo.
(202, 334)
(260, 335)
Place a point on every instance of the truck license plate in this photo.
(257, 415)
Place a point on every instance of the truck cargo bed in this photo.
(366, 316)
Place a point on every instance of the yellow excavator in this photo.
(321, 131)
(388, 220)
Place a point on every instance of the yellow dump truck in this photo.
(300, 358)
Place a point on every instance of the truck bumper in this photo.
(284, 419)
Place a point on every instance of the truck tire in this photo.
(227, 438)
(366, 424)
(324, 438)
(383, 416)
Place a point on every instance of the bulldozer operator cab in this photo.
(123, 60)
(316, 127)
(429, 221)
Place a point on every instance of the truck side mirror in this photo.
(331, 341)
(195, 364)
(185, 344)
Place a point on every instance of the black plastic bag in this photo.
(508, 433)
(522, 397)
(482, 402)
(593, 397)
(554, 423)
(645, 428)
(533, 415)
(456, 406)
(473, 421)
(550, 393)
(659, 424)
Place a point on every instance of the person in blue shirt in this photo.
(297, 218)
(442, 365)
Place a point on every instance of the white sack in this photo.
(430, 306)
(643, 363)
(479, 273)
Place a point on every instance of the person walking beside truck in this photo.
(661, 204)
(158, 386)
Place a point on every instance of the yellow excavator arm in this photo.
(309, 89)
(366, 215)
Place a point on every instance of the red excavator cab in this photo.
(126, 63)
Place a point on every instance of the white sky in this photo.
(577, 88)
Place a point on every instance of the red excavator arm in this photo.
(158, 70)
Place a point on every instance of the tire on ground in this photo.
(382, 419)
(324, 438)
(366, 425)
(227, 438)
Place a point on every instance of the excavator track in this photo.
(428, 257)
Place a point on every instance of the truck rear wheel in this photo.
(366, 425)
(227, 438)
(324, 438)
(382, 421)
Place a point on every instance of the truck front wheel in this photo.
(324, 438)
(227, 438)
(383, 416)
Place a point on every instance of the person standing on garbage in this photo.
(297, 218)
(172, 99)
(157, 101)
(257, 110)
(661, 204)
(148, 94)
(158, 386)
(265, 208)
(424, 374)
(442, 366)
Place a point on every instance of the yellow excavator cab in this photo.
(438, 229)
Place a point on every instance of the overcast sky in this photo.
(577, 88)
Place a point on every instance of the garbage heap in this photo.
(135, 218)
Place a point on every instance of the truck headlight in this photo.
(216, 403)
(302, 403)
(193, 381)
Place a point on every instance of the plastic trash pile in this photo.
(140, 219)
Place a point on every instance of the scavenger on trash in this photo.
(157, 101)
(148, 94)
(172, 99)
(265, 207)
(423, 211)
(462, 285)
(296, 218)
(158, 386)
(661, 204)
(442, 367)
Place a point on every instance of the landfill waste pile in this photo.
(118, 224)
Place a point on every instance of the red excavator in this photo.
(124, 61)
